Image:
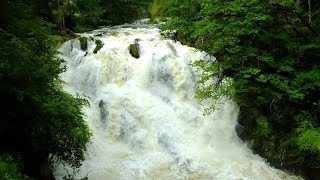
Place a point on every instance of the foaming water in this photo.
(145, 121)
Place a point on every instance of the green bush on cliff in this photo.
(271, 51)
(39, 120)
(156, 8)
(10, 169)
(83, 43)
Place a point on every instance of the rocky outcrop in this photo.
(83, 43)
(246, 120)
(99, 45)
(134, 49)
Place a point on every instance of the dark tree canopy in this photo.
(41, 125)
(271, 50)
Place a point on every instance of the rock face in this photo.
(99, 45)
(135, 49)
(246, 121)
(174, 36)
(83, 43)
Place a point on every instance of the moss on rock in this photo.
(134, 50)
(99, 45)
(83, 43)
(153, 21)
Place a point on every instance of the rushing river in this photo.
(145, 121)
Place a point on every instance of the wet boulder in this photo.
(134, 49)
(99, 45)
(247, 120)
(104, 113)
(174, 36)
(83, 43)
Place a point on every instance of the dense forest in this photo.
(41, 125)
(267, 60)
(271, 51)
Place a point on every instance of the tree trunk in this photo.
(63, 23)
(309, 4)
(3, 12)
(59, 20)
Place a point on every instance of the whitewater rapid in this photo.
(145, 121)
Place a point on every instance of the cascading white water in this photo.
(145, 121)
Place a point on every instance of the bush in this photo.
(50, 121)
(83, 43)
(270, 49)
(10, 169)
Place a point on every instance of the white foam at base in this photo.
(145, 121)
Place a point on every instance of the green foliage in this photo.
(85, 15)
(119, 12)
(271, 51)
(89, 13)
(38, 119)
(65, 130)
(9, 168)
(156, 8)
(83, 43)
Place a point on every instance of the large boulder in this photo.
(134, 49)
(99, 45)
(83, 43)
(247, 120)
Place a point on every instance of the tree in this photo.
(9, 169)
(119, 12)
(39, 120)
(3, 11)
(89, 12)
(270, 49)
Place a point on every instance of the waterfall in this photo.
(145, 121)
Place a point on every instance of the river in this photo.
(145, 121)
